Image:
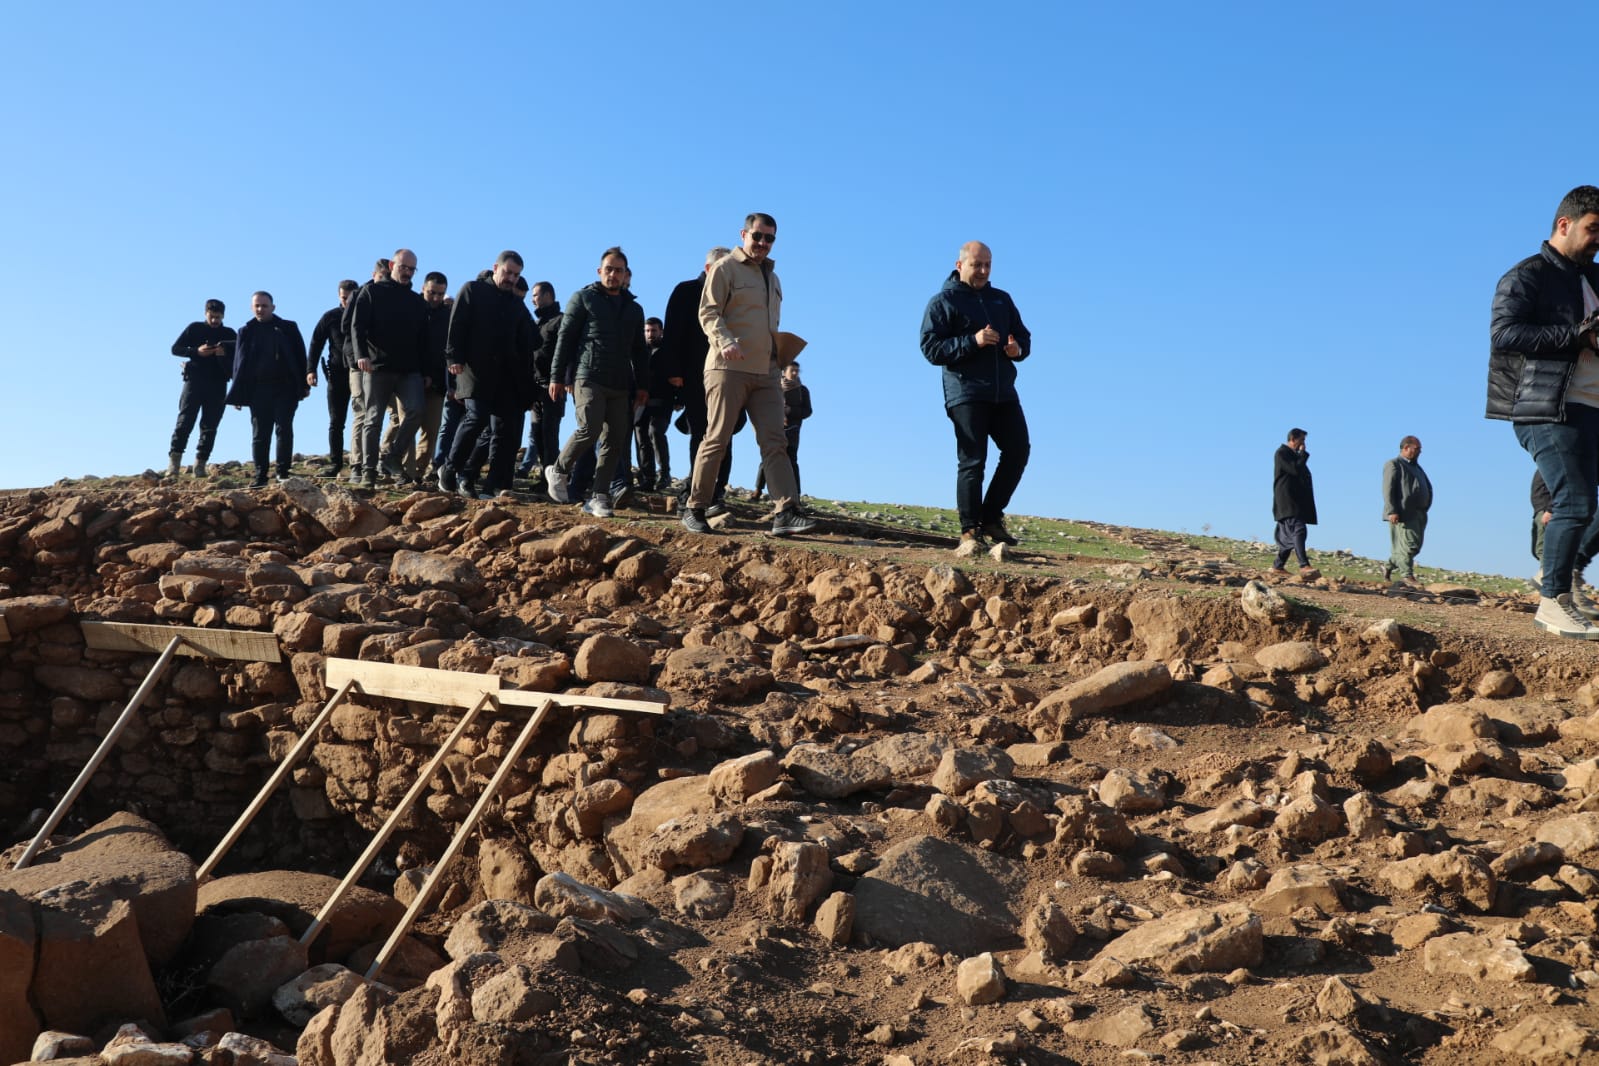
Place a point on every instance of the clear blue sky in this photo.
(1217, 220)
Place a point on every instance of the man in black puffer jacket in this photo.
(1543, 376)
(602, 337)
(975, 333)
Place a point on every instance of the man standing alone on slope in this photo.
(1406, 498)
(975, 333)
(1293, 502)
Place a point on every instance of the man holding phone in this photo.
(208, 348)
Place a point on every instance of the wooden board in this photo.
(247, 644)
(458, 688)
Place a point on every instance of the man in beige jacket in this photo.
(739, 311)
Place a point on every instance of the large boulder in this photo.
(336, 508)
(18, 1023)
(1196, 940)
(295, 898)
(1114, 686)
(91, 967)
(941, 892)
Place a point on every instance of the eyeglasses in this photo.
(762, 238)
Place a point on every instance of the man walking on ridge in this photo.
(1406, 498)
(1293, 503)
(389, 332)
(975, 333)
(1543, 377)
(329, 334)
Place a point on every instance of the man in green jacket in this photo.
(1406, 498)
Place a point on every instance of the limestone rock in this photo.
(713, 674)
(829, 775)
(736, 780)
(1293, 888)
(1125, 1028)
(1455, 871)
(1480, 958)
(963, 768)
(1131, 792)
(18, 1023)
(928, 889)
(1263, 603)
(248, 973)
(607, 657)
(361, 917)
(1114, 686)
(980, 980)
(335, 508)
(1291, 657)
(1548, 1038)
(560, 894)
(1197, 940)
(302, 998)
(511, 997)
(799, 877)
(492, 924)
(835, 918)
(91, 966)
(506, 870)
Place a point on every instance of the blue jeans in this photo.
(1567, 454)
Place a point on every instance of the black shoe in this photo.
(331, 470)
(717, 507)
(467, 488)
(622, 497)
(995, 530)
(260, 482)
(694, 521)
(446, 479)
(788, 522)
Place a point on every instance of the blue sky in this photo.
(1217, 220)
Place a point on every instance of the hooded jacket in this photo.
(268, 360)
(1534, 336)
(603, 337)
(973, 374)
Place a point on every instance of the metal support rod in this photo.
(393, 820)
(459, 840)
(261, 797)
(100, 754)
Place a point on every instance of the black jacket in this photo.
(549, 327)
(269, 360)
(329, 333)
(212, 368)
(1534, 336)
(492, 335)
(684, 339)
(389, 326)
(663, 367)
(949, 328)
(434, 375)
(603, 337)
(1292, 495)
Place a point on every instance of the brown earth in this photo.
(1353, 875)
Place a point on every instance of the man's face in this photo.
(758, 240)
(344, 297)
(652, 334)
(542, 297)
(213, 318)
(1410, 451)
(433, 293)
(1297, 444)
(261, 308)
(613, 273)
(1577, 239)
(403, 268)
(505, 275)
(791, 372)
(974, 266)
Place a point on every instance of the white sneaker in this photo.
(1560, 617)
(599, 505)
(1579, 598)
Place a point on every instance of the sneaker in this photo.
(446, 478)
(558, 481)
(599, 506)
(622, 497)
(466, 487)
(717, 507)
(694, 520)
(1560, 617)
(1580, 599)
(788, 522)
(995, 530)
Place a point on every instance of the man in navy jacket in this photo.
(269, 377)
(975, 333)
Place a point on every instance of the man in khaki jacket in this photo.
(739, 311)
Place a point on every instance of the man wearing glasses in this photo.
(740, 306)
(389, 332)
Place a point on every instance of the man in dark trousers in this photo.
(974, 332)
(1543, 378)
(389, 332)
(329, 333)
(491, 346)
(687, 344)
(1293, 502)
(435, 375)
(649, 430)
(357, 379)
(207, 348)
(1406, 499)
(269, 378)
(602, 342)
(544, 430)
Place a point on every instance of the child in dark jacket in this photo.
(796, 409)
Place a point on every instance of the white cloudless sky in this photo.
(1219, 221)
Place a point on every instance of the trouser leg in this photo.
(793, 435)
(1007, 428)
(724, 400)
(589, 408)
(971, 456)
(406, 392)
(338, 414)
(474, 419)
(763, 399)
(1562, 451)
(505, 429)
(454, 411)
(283, 409)
(357, 381)
(616, 411)
(190, 402)
(213, 403)
(427, 430)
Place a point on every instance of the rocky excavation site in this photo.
(903, 808)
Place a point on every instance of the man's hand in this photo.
(456, 368)
(208, 349)
(1393, 518)
(557, 390)
(310, 380)
(364, 364)
(676, 383)
(1012, 349)
(640, 398)
(987, 337)
(733, 353)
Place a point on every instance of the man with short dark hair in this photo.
(1406, 498)
(207, 348)
(329, 333)
(1543, 377)
(435, 375)
(688, 345)
(602, 343)
(491, 342)
(1293, 502)
(389, 331)
(974, 332)
(544, 429)
(740, 311)
(357, 379)
(649, 430)
(269, 377)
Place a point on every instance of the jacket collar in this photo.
(767, 264)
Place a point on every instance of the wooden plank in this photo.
(453, 688)
(459, 688)
(248, 644)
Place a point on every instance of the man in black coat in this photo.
(1293, 502)
(389, 331)
(329, 333)
(208, 348)
(269, 377)
(544, 431)
(687, 346)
